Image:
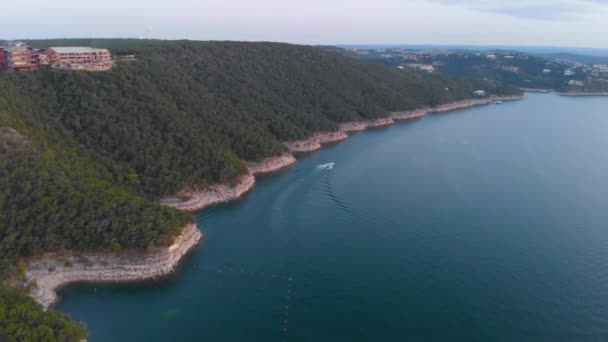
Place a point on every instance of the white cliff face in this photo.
(382, 122)
(315, 142)
(191, 200)
(354, 126)
(52, 272)
(272, 164)
(409, 115)
(303, 146)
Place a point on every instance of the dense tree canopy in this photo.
(188, 112)
(22, 320)
(56, 198)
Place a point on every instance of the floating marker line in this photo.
(242, 271)
(286, 312)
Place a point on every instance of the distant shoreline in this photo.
(54, 272)
(573, 93)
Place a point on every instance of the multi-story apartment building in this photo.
(21, 58)
(24, 58)
(80, 58)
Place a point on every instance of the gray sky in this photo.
(580, 23)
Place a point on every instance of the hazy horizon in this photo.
(539, 49)
(559, 23)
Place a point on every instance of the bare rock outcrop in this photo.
(330, 137)
(354, 126)
(272, 164)
(53, 272)
(193, 200)
(314, 143)
(410, 114)
(382, 122)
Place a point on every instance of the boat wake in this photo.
(359, 219)
(323, 167)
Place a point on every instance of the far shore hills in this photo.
(51, 272)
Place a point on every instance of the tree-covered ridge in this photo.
(23, 320)
(55, 196)
(185, 113)
(85, 156)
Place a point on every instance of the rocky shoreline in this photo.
(567, 93)
(315, 142)
(50, 273)
(272, 164)
(194, 200)
(584, 94)
(409, 115)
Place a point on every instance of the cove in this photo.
(482, 224)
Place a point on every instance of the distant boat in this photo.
(497, 102)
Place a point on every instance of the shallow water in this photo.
(483, 224)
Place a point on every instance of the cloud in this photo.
(532, 9)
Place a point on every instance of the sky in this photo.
(576, 23)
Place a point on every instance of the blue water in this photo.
(487, 224)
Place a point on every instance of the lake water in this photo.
(486, 224)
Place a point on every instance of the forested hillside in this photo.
(58, 196)
(22, 319)
(188, 112)
(85, 156)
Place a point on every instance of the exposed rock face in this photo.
(314, 143)
(382, 122)
(272, 164)
(472, 103)
(192, 200)
(53, 272)
(330, 137)
(354, 126)
(303, 146)
(409, 115)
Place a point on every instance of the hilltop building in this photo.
(21, 58)
(80, 58)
